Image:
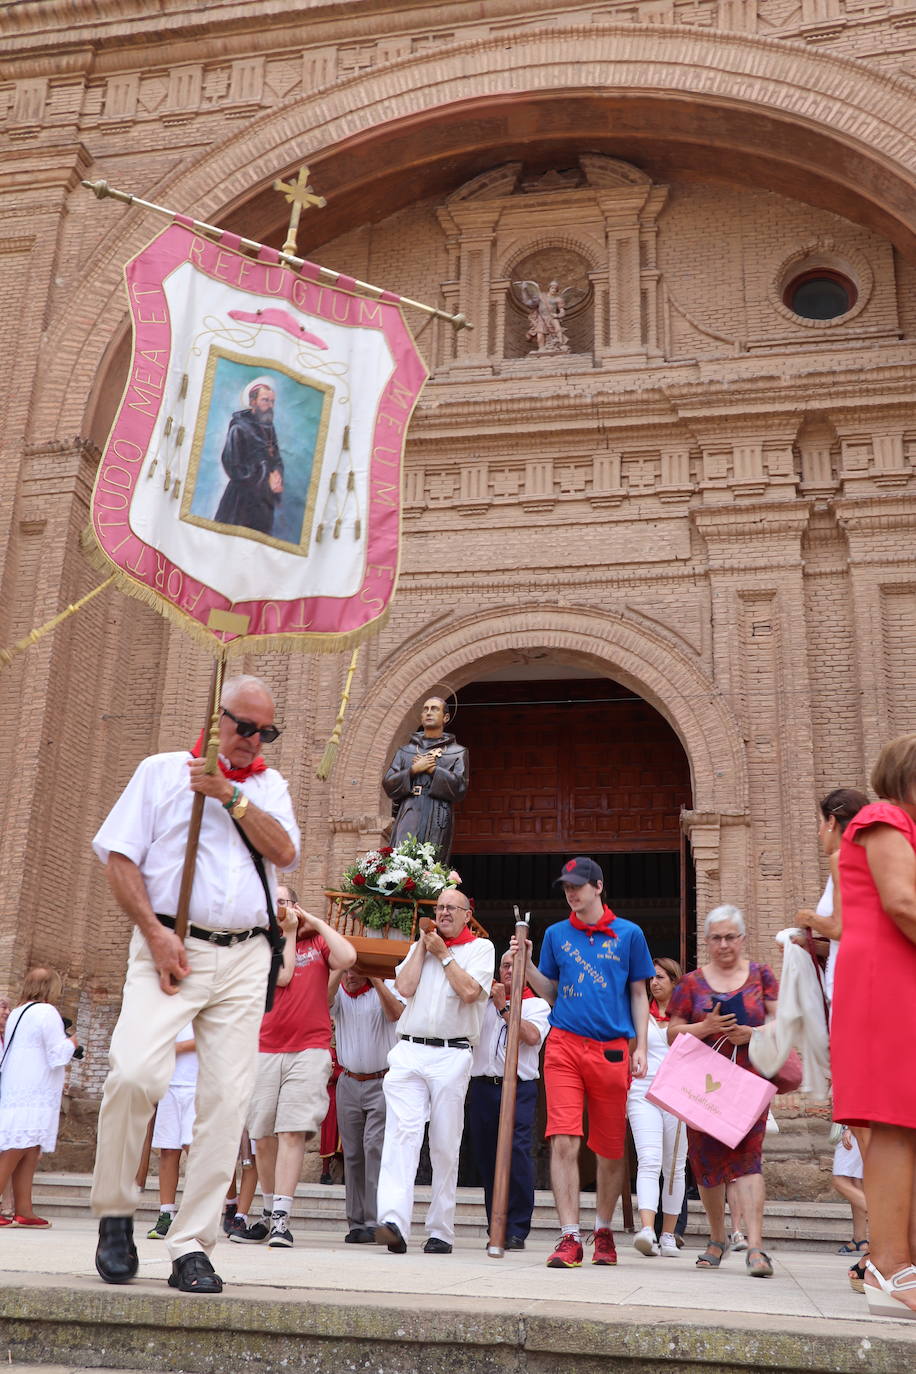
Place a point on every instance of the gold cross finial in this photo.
(299, 196)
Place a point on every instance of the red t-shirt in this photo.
(301, 1019)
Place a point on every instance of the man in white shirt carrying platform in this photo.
(365, 1012)
(445, 980)
(487, 1071)
(217, 978)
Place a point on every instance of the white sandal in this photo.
(881, 1300)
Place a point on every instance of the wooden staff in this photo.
(500, 1206)
(197, 809)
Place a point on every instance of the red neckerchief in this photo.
(257, 765)
(465, 938)
(654, 1011)
(602, 927)
(359, 992)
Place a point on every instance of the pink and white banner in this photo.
(252, 478)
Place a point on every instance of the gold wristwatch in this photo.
(237, 812)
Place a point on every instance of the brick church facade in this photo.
(667, 568)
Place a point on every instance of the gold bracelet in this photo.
(237, 812)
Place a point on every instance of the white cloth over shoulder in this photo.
(149, 825)
(32, 1077)
(799, 1023)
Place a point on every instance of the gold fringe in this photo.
(323, 771)
(244, 644)
(33, 636)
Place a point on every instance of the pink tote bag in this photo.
(709, 1091)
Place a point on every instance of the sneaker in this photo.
(567, 1255)
(255, 1234)
(281, 1237)
(644, 1241)
(605, 1249)
(161, 1229)
(668, 1246)
(737, 1241)
(229, 1212)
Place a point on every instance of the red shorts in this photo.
(577, 1073)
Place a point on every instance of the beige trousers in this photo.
(224, 996)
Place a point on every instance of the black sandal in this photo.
(857, 1276)
(194, 1273)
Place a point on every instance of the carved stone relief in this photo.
(589, 230)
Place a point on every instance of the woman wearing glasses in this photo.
(724, 1000)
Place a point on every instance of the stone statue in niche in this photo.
(546, 312)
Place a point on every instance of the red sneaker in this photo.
(29, 1221)
(567, 1255)
(605, 1249)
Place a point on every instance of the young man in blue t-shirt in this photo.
(593, 969)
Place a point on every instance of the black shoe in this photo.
(435, 1246)
(360, 1235)
(229, 1212)
(515, 1243)
(326, 1177)
(387, 1233)
(195, 1274)
(254, 1234)
(116, 1255)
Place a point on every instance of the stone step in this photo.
(791, 1225)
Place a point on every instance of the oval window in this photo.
(820, 294)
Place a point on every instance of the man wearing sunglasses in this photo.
(216, 978)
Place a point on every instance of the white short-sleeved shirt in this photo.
(490, 1055)
(185, 1075)
(435, 1009)
(149, 825)
(363, 1033)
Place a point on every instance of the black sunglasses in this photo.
(247, 728)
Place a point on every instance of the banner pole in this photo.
(101, 190)
(197, 807)
(500, 1206)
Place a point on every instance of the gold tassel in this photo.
(323, 771)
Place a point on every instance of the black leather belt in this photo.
(225, 938)
(462, 1044)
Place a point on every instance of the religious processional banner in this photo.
(251, 483)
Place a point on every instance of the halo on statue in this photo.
(448, 695)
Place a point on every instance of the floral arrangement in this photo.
(410, 869)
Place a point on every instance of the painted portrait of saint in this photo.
(257, 450)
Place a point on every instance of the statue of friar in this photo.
(427, 776)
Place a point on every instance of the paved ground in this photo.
(811, 1285)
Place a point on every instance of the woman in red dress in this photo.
(872, 1085)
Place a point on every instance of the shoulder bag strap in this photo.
(6, 1047)
(275, 936)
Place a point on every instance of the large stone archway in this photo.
(617, 645)
(816, 126)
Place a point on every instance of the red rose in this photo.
(358, 880)
(386, 851)
(409, 885)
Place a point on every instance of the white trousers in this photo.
(423, 1083)
(224, 996)
(654, 1133)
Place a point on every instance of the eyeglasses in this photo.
(442, 909)
(724, 939)
(247, 728)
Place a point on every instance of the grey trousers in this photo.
(361, 1123)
